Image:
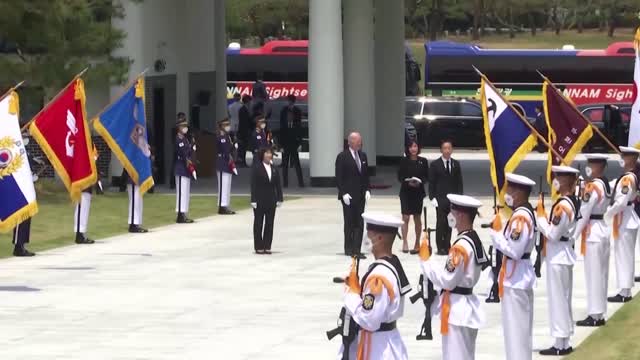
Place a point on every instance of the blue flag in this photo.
(507, 136)
(123, 126)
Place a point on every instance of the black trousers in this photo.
(263, 227)
(353, 226)
(242, 150)
(21, 233)
(443, 231)
(291, 157)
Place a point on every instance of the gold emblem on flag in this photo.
(10, 157)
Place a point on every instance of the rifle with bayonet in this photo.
(495, 257)
(426, 291)
(346, 326)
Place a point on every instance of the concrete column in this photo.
(133, 48)
(390, 78)
(326, 91)
(359, 74)
(220, 46)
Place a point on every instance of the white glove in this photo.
(367, 196)
(434, 202)
(278, 204)
(194, 148)
(254, 205)
(236, 145)
(346, 198)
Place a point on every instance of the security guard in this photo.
(624, 224)
(560, 257)
(377, 302)
(595, 245)
(81, 216)
(459, 308)
(184, 170)
(517, 276)
(259, 136)
(225, 166)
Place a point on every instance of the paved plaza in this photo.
(198, 292)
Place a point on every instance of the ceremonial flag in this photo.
(62, 132)
(124, 128)
(509, 138)
(569, 131)
(16, 181)
(634, 125)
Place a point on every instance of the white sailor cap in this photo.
(381, 222)
(596, 157)
(629, 150)
(464, 201)
(520, 180)
(562, 169)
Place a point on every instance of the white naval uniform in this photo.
(385, 308)
(81, 215)
(465, 314)
(560, 258)
(596, 246)
(622, 210)
(135, 204)
(183, 193)
(516, 242)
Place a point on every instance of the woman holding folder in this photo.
(412, 174)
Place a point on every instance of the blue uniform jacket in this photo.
(225, 150)
(184, 150)
(258, 140)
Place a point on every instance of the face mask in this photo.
(508, 200)
(621, 162)
(556, 184)
(262, 126)
(367, 244)
(588, 171)
(184, 130)
(451, 220)
(227, 128)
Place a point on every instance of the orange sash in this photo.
(457, 254)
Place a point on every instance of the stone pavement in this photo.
(198, 292)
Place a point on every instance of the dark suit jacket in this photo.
(265, 192)
(348, 179)
(291, 137)
(442, 183)
(244, 123)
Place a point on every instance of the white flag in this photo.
(634, 125)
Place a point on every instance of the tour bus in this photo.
(586, 76)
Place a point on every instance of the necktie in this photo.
(358, 161)
(448, 167)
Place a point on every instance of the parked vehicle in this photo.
(605, 117)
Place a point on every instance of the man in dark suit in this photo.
(352, 179)
(244, 129)
(290, 139)
(445, 177)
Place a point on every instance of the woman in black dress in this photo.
(412, 174)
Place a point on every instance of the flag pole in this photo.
(595, 128)
(54, 99)
(525, 121)
(124, 89)
(13, 88)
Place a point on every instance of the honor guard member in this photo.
(259, 136)
(459, 308)
(517, 276)
(560, 257)
(595, 245)
(136, 205)
(184, 170)
(21, 235)
(81, 216)
(378, 301)
(225, 166)
(624, 224)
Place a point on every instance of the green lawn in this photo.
(53, 225)
(618, 340)
(589, 39)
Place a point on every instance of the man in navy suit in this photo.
(352, 179)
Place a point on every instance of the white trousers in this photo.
(559, 289)
(624, 248)
(183, 193)
(81, 216)
(224, 188)
(135, 204)
(517, 323)
(596, 272)
(459, 343)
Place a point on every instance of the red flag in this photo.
(62, 132)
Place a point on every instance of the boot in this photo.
(21, 251)
(83, 239)
(137, 229)
(225, 211)
(183, 219)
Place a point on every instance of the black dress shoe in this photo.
(414, 252)
(259, 252)
(619, 299)
(83, 239)
(225, 211)
(590, 322)
(442, 252)
(22, 252)
(268, 252)
(137, 229)
(553, 351)
(361, 256)
(636, 279)
(183, 219)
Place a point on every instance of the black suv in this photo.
(438, 118)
